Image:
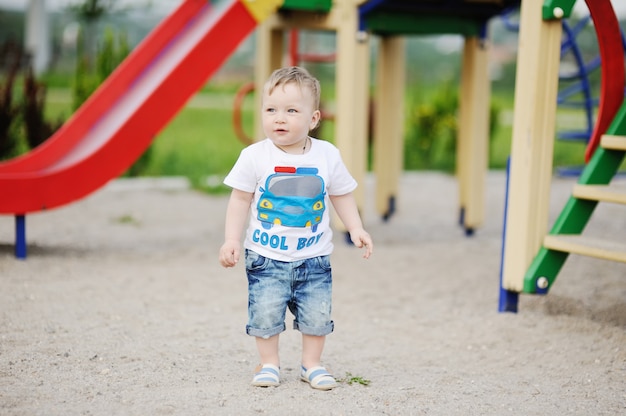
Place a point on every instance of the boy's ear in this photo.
(315, 120)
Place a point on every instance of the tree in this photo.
(89, 13)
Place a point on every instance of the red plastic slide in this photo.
(120, 120)
(612, 56)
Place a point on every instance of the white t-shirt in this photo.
(290, 211)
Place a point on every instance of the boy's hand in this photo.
(229, 253)
(361, 238)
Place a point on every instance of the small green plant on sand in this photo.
(350, 379)
(127, 219)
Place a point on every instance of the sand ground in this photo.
(122, 309)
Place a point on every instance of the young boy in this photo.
(281, 188)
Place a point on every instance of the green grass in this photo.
(351, 379)
(197, 143)
(566, 153)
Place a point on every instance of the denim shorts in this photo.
(303, 286)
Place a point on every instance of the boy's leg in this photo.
(312, 347)
(312, 372)
(267, 374)
(312, 310)
(268, 350)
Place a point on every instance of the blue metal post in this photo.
(508, 299)
(20, 236)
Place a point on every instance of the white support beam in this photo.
(389, 120)
(533, 141)
(37, 39)
(473, 131)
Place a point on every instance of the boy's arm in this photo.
(236, 218)
(346, 208)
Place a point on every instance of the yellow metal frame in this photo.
(533, 141)
(473, 131)
(389, 120)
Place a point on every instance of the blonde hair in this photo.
(297, 75)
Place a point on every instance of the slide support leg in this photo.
(20, 236)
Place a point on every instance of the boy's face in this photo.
(288, 114)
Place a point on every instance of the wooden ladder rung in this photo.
(585, 246)
(613, 142)
(606, 193)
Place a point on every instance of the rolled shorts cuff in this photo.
(315, 331)
(265, 333)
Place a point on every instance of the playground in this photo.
(123, 309)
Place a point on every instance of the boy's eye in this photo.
(292, 110)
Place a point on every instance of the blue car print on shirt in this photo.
(293, 197)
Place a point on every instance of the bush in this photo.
(90, 75)
(22, 123)
(37, 129)
(430, 143)
(431, 138)
(8, 115)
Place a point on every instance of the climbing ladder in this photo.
(594, 186)
(531, 259)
